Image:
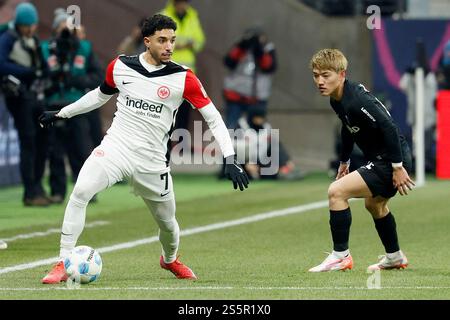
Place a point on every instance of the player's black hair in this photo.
(156, 23)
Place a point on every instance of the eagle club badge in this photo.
(163, 92)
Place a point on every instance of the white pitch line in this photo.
(344, 288)
(117, 288)
(87, 288)
(51, 231)
(195, 230)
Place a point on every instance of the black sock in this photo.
(387, 230)
(340, 222)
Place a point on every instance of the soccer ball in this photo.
(83, 265)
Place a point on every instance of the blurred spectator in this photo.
(21, 70)
(5, 26)
(190, 41)
(133, 44)
(74, 70)
(408, 85)
(443, 73)
(190, 36)
(252, 62)
(256, 139)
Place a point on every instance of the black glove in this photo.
(235, 173)
(47, 118)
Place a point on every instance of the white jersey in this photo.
(148, 100)
(149, 97)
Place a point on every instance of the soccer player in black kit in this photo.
(366, 122)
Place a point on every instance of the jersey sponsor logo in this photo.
(368, 114)
(163, 92)
(142, 105)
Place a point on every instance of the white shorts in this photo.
(119, 164)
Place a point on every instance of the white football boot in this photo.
(334, 263)
(390, 261)
(3, 245)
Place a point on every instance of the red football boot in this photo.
(57, 275)
(178, 269)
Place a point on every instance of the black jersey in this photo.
(367, 122)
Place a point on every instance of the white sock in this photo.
(73, 225)
(170, 241)
(91, 180)
(341, 254)
(169, 230)
(394, 255)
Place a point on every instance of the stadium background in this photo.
(307, 123)
(280, 248)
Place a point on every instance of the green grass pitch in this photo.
(250, 259)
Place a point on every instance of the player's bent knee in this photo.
(335, 193)
(82, 193)
(170, 226)
(80, 197)
(377, 213)
(371, 207)
(377, 209)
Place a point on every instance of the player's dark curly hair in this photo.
(156, 23)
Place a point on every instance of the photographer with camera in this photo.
(21, 72)
(251, 62)
(73, 70)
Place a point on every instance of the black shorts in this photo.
(378, 177)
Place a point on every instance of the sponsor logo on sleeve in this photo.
(368, 114)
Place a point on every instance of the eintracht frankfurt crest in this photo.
(163, 92)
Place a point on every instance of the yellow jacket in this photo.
(188, 29)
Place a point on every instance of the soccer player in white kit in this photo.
(151, 88)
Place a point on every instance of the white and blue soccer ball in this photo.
(84, 265)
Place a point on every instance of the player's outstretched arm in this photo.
(90, 101)
(233, 170)
(197, 97)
